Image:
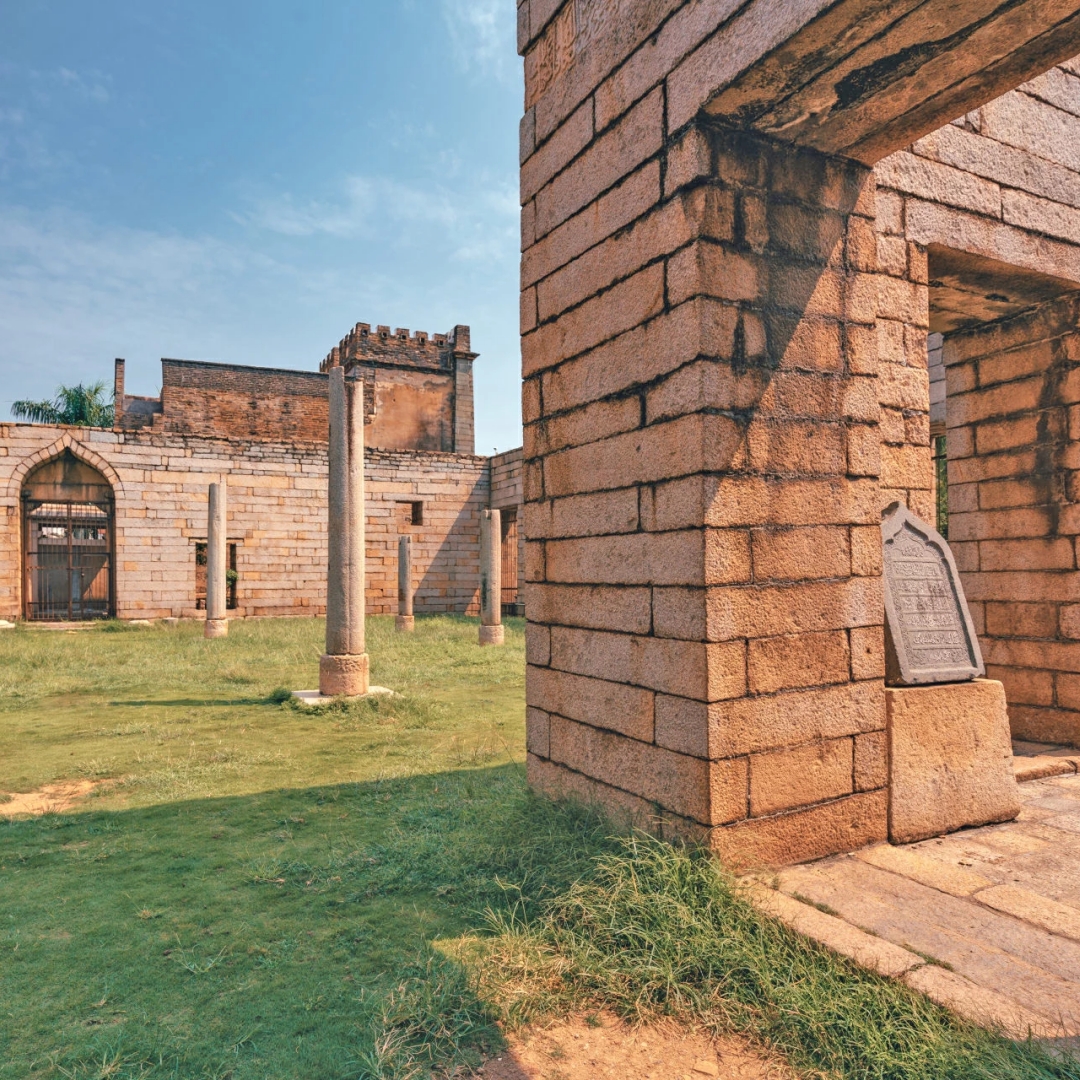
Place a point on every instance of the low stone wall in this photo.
(277, 519)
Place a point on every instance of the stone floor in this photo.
(985, 921)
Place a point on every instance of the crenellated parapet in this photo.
(417, 348)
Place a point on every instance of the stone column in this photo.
(343, 669)
(405, 621)
(217, 624)
(702, 502)
(491, 630)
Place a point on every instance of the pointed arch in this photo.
(54, 450)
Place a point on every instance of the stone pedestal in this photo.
(217, 625)
(343, 669)
(405, 623)
(950, 758)
(491, 631)
(344, 676)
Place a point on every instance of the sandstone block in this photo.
(801, 776)
(801, 835)
(798, 660)
(950, 758)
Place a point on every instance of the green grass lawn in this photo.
(255, 884)
(366, 890)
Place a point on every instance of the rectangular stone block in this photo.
(801, 776)
(950, 759)
(801, 835)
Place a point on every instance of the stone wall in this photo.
(277, 514)
(418, 394)
(724, 351)
(979, 242)
(1014, 507)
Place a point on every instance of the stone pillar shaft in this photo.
(405, 619)
(344, 668)
(216, 562)
(345, 539)
(491, 631)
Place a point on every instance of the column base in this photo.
(950, 759)
(344, 676)
(216, 628)
(492, 635)
(405, 624)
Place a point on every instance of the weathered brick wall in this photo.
(701, 485)
(232, 400)
(1000, 184)
(423, 384)
(1014, 507)
(277, 518)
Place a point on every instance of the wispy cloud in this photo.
(476, 222)
(483, 35)
(89, 85)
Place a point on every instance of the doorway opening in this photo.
(511, 599)
(68, 542)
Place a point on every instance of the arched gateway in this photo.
(68, 530)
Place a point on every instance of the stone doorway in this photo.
(68, 526)
(511, 600)
(1001, 354)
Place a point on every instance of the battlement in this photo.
(415, 348)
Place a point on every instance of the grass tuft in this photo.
(656, 931)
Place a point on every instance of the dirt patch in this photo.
(578, 1050)
(48, 798)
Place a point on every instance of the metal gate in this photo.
(69, 564)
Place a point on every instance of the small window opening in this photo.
(232, 577)
(416, 513)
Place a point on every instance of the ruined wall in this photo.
(1014, 507)
(423, 385)
(234, 401)
(277, 515)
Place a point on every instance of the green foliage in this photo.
(79, 406)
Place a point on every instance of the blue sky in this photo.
(245, 181)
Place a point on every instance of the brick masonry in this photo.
(277, 518)
(1014, 496)
(418, 394)
(724, 348)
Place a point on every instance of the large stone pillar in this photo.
(702, 492)
(217, 563)
(344, 668)
(491, 628)
(405, 621)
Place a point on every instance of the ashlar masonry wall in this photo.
(978, 225)
(277, 519)
(1014, 507)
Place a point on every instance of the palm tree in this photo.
(79, 406)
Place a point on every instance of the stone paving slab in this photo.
(989, 917)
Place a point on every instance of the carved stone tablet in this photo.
(929, 637)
